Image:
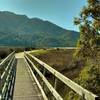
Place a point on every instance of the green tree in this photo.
(89, 48)
(89, 25)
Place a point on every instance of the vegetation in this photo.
(84, 68)
(61, 60)
(25, 32)
(57, 58)
(89, 48)
(4, 52)
(89, 24)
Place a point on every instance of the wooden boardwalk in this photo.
(25, 86)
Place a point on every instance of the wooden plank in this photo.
(50, 87)
(77, 88)
(24, 88)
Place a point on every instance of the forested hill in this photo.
(19, 30)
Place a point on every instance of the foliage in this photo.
(89, 24)
(89, 78)
(89, 48)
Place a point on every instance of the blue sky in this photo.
(60, 12)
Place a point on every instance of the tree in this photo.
(89, 48)
(89, 25)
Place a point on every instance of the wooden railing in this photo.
(7, 76)
(85, 94)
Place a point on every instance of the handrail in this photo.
(50, 87)
(7, 68)
(38, 84)
(77, 88)
(7, 83)
(9, 71)
(6, 59)
(6, 77)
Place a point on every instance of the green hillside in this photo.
(19, 30)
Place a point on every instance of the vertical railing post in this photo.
(83, 97)
(44, 71)
(55, 85)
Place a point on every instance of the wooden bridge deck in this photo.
(25, 86)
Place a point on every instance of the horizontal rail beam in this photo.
(50, 87)
(77, 88)
(7, 68)
(6, 74)
(6, 59)
(43, 94)
(7, 79)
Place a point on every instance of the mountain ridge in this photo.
(19, 30)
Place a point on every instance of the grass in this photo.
(58, 59)
(61, 60)
(89, 77)
(39, 52)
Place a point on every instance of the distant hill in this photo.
(19, 30)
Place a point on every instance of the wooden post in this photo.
(83, 96)
(55, 85)
(44, 71)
